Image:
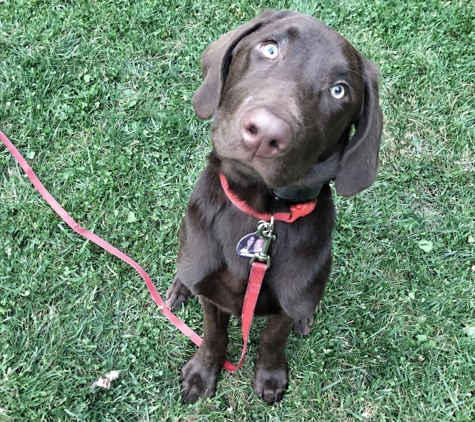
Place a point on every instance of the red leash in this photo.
(256, 276)
(255, 279)
(98, 241)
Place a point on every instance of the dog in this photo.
(294, 107)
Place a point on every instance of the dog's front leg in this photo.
(177, 294)
(199, 375)
(271, 368)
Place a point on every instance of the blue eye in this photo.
(270, 50)
(338, 91)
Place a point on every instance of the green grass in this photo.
(97, 95)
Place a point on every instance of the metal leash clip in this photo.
(264, 231)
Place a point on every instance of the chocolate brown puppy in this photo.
(294, 107)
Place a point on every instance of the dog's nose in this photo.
(265, 134)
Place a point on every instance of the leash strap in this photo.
(255, 279)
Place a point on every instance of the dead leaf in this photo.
(113, 375)
(106, 381)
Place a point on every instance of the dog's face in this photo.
(285, 90)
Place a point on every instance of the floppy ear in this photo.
(216, 60)
(359, 163)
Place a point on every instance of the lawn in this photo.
(97, 96)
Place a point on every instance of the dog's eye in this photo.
(270, 50)
(337, 91)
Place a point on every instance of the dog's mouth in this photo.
(273, 173)
(279, 180)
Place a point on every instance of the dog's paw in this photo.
(177, 294)
(303, 325)
(270, 384)
(198, 379)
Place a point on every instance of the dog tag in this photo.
(256, 245)
(250, 245)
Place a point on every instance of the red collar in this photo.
(296, 210)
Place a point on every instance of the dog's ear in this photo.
(359, 163)
(216, 60)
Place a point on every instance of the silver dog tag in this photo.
(256, 245)
(250, 245)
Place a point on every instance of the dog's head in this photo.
(285, 91)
